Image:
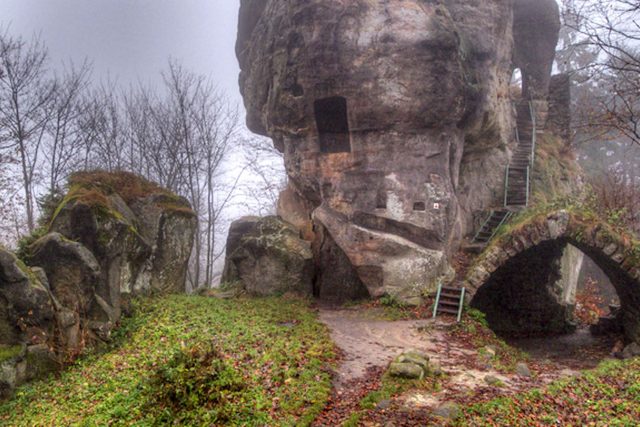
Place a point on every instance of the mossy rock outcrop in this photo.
(112, 236)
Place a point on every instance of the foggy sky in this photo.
(133, 39)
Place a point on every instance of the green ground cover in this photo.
(606, 396)
(192, 361)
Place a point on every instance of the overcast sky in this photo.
(133, 39)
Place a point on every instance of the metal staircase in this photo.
(517, 184)
(491, 225)
(449, 300)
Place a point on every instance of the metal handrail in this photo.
(461, 306)
(435, 306)
(534, 125)
(506, 218)
(483, 224)
(506, 187)
(528, 186)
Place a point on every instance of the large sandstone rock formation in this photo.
(111, 237)
(395, 123)
(267, 257)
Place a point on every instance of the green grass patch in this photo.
(192, 361)
(8, 352)
(608, 395)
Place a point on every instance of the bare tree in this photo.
(103, 129)
(63, 150)
(267, 177)
(613, 30)
(26, 100)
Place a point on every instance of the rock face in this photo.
(536, 28)
(395, 123)
(267, 257)
(111, 237)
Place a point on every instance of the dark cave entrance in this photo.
(332, 120)
(554, 306)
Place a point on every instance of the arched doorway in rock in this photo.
(515, 85)
(518, 282)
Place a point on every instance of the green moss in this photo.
(608, 395)
(126, 385)
(94, 188)
(9, 352)
(24, 251)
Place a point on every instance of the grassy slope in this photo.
(282, 368)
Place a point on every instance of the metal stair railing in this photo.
(532, 112)
(483, 224)
(436, 305)
(506, 218)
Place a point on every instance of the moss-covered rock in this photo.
(268, 257)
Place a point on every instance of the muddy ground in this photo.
(368, 343)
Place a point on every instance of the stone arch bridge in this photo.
(514, 281)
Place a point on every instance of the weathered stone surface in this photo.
(268, 257)
(373, 105)
(630, 351)
(523, 370)
(336, 279)
(406, 370)
(412, 364)
(492, 380)
(24, 301)
(536, 28)
(448, 410)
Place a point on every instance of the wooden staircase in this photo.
(449, 300)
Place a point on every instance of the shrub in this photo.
(197, 378)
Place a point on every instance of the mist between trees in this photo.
(185, 135)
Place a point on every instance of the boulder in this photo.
(523, 370)
(412, 364)
(74, 277)
(141, 234)
(630, 351)
(448, 410)
(493, 380)
(24, 300)
(406, 370)
(267, 256)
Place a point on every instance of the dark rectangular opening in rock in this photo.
(419, 206)
(381, 200)
(333, 124)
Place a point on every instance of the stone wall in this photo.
(616, 254)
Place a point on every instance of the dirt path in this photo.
(368, 345)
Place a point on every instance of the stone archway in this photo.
(537, 237)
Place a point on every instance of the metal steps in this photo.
(517, 176)
(449, 300)
(491, 225)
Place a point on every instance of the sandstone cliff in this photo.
(395, 122)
